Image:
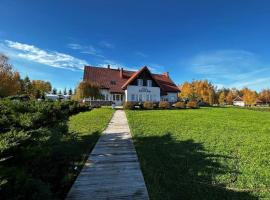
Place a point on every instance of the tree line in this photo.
(12, 84)
(205, 91)
(198, 90)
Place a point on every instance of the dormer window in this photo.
(139, 82)
(113, 82)
(149, 83)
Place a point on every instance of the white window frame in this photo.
(149, 83)
(133, 97)
(140, 82)
(140, 97)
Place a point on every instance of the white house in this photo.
(238, 101)
(55, 97)
(119, 85)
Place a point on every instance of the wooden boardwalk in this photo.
(112, 170)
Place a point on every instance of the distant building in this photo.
(238, 101)
(119, 85)
(55, 97)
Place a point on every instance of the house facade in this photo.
(238, 101)
(119, 85)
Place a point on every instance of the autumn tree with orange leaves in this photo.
(9, 79)
(200, 90)
(264, 96)
(249, 96)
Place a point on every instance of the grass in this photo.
(208, 153)
(85, 128)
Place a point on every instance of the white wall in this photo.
(239, 103)
(144, 92)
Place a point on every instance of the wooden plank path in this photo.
(112, 170)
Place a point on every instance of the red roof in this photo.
(111, 79)
(238, 98)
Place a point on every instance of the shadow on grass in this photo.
(183, 170)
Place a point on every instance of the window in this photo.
(149, 83)
(139, 82)
(133, 97)
(113, 82)
(140, 97)
(148, 97)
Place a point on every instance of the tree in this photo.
(186, 90)
(38, 94)
(265, 96)
(40, 87)
(9, 79)
(198, 90)
(249, 96)
(86, 89)
(54, 91)
(60, 92)
(70, 91)
(221, 98)
(230, 97)
(26, 86)
(65, 91)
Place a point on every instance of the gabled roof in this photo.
(111, 79)
(238, 98)
(135, 75)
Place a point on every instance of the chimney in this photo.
(109, 67)
(166, 74)
(121, 72)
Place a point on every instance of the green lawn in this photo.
(86, 128)
(208, 153)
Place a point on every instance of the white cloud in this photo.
(86, 49)
(50, 58)
(141, 54)
(106, 44)
(231, 68)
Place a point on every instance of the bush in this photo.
(164, 105)
(128, 105)
(192, 104)
(34, 139)
(180, 105)
(148, 105)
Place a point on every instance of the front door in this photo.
(118, 99)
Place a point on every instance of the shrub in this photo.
(164, 105)
(180, 105)
(192, 104)
(148, 105)
(128, 105)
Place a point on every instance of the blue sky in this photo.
(224, 41)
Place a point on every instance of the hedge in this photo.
(30, 136)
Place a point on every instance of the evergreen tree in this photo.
(70, 91)
(37, 94)
(54, 91)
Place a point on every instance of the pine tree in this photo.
(70, 91)
(54, 91)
